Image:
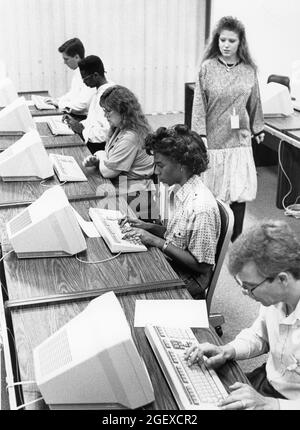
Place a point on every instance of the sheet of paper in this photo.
(171, 313)
(87, 226)
(29, 103)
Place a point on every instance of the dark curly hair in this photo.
(232, 24)
(180, 144)
(123, 101)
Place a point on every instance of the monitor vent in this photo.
(20, 221)
(55, 353)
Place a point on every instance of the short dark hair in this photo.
(72, 47)
(91, 64)
(272, 245)
(181, 144)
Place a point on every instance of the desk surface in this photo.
(30, 282)
(288, 123)
(29, 191)
(48, 139)
(32, 326)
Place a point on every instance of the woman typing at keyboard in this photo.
(193, 229)
(124, 159)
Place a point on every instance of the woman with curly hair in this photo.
(192, 232)
(227, 112)
(124, 159)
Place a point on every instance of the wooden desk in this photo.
(285, 134)
(48, 139)
(27, 94)
(31, 326)
(28, 191)
(30, 282)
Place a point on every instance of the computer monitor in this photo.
(16, 117)
(26, 160)
(46, 228)
(8, 92)
(276, 100)
(295, 81)
(92, 362)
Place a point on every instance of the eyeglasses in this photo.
(249, 288)
(107, 111)
(87, 77)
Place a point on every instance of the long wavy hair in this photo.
(122, 100)
(232, 24)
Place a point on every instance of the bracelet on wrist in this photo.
(165, 245)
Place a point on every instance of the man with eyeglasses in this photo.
(93, 130)
(77, 100)
(265, 262)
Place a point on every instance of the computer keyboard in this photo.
(40, 103)
(106, 222)
(58, 127)
(67, 168)
(194, 387)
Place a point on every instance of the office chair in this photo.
(280, 79)
(227, 220)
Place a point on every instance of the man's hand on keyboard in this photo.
(74, 125)
(90, 161)
(213, 355)
(243, 396)
(51, 101)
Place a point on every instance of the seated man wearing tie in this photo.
(77, 100)
(93, 130)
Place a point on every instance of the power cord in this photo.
(99, 261)
(293, 209)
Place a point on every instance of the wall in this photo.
(272, 28)
(151, 46)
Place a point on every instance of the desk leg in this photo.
(290, 160)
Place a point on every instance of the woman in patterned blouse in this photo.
(227, 112)
(192, 232)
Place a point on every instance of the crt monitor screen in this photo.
(26, 160)
(92, 362)
(46, 228)
(16, 117)
(276, 100)
(8, 92)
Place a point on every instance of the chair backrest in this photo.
(227, 220)
(280, 79)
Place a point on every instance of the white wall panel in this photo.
(151, 46)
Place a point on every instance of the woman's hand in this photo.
(135, 223)
(90, 161)
(243, 396)
(145, 237)
(260, 138)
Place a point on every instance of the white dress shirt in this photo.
(79, 96)
(96, 125)
(278, 334)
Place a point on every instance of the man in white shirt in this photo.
(265, 262)
(93, 130)
(77, 100)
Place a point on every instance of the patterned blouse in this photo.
(194, 225)
(218, 93)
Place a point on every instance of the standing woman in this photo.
(227, 112)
